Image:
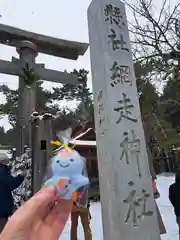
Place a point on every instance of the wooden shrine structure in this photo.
(84, 141)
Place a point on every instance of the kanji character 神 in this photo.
(132, 147)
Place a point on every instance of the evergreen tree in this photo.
(46, 103)
(155, 123)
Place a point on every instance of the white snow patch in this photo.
(165, 207)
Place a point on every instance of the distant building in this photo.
(84, 141)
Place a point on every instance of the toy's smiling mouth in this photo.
(64, 166)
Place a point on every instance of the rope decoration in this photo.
(29, 75)
(64, 145)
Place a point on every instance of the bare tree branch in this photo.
(156, 35)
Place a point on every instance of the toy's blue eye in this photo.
(57, 161)
(71, 160)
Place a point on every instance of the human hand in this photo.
(40, 218)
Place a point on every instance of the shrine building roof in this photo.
(80, 139)
(83, 143)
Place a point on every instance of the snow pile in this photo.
(165, 207)
(163, 183)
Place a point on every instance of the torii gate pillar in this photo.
(27, 96)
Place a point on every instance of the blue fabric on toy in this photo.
(67, 167)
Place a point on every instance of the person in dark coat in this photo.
(7, 184)
(174, 197)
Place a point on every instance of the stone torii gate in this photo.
(28, 45)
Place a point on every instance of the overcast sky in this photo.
(61, 19)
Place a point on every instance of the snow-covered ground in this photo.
(163, 182)
(165, 207)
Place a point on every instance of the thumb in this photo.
(36, 206)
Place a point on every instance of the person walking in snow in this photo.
(174, 197)
(81, 209)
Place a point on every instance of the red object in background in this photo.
(153, 183)
(80, 195)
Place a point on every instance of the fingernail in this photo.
(51, 189)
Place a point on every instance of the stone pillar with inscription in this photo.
(128, 207)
